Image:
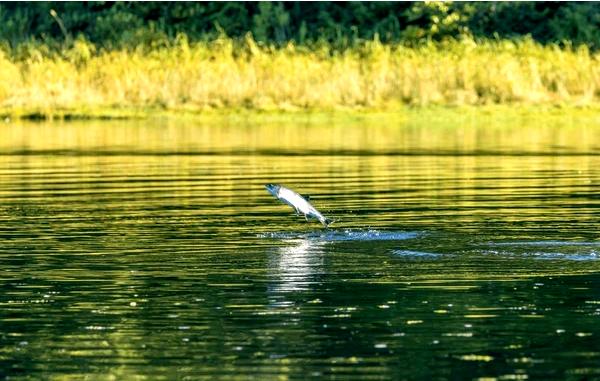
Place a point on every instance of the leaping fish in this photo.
(298, 202)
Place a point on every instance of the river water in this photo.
(151, 250)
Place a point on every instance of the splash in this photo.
(344, 235)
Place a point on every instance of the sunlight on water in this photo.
(151, 250)
(296, 265)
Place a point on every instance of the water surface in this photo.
(151, 250)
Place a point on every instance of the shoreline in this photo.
(430, 112)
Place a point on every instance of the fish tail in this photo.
(327, 221)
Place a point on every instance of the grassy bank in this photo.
(224, 74)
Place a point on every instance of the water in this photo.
(151, 250)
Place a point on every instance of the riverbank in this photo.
(433, 116)
(226, 75)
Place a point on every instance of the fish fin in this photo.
(306, 197)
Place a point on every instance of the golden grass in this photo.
(224, 74)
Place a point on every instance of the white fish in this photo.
(299, 203)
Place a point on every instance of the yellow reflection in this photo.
(406, 132)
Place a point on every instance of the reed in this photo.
(230, 74)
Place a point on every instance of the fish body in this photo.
(298, 202)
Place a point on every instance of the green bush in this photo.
(341, 25)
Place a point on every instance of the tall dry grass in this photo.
(228, 74)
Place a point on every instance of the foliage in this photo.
(341, 25)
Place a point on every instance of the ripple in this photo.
(416, 254)
(591, 256)
(546, 243)
(547, 249)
